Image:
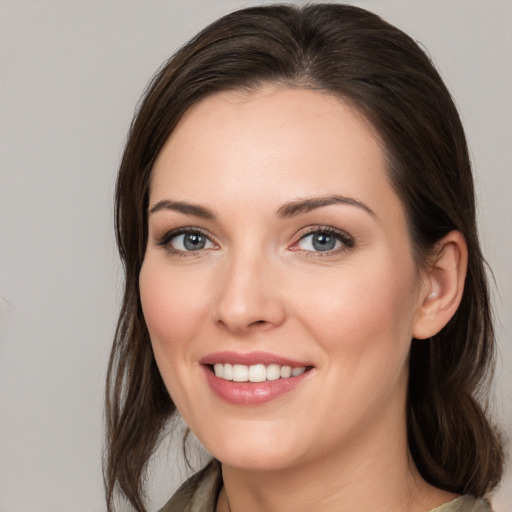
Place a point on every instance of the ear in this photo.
(443, 285)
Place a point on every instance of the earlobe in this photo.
(443, 285)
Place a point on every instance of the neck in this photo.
(372, 474)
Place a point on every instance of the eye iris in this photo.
(194, 241)
(323, 242)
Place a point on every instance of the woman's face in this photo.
(277, 245)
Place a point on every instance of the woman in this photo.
(304, 283)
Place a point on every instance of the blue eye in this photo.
(323, 240)
(186, 241)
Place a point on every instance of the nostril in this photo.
(258, 322)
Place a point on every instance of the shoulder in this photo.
(199, 493)
(465, 504)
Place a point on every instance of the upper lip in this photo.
(251, 358)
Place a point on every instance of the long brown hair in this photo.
(382, 72)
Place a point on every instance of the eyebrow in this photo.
(301, 206)
(182, 207)
(287, 210)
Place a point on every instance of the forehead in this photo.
(273, 144)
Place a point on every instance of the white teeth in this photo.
(273, 372)
(218, 370)
(227, 373)
(255, 372)
(286, 371)
(240, 373)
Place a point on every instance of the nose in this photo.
(249, 296)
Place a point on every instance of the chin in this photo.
(253, 459)
(254, 450)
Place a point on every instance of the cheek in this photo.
(174, 305)
(363, 315)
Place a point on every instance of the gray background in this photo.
(71, 74)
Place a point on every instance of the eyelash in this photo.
(167, 238)
(347, 241)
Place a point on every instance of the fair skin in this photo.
(271, 264)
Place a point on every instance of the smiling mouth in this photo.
(256, 372)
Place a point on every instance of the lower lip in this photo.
(251, 393)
